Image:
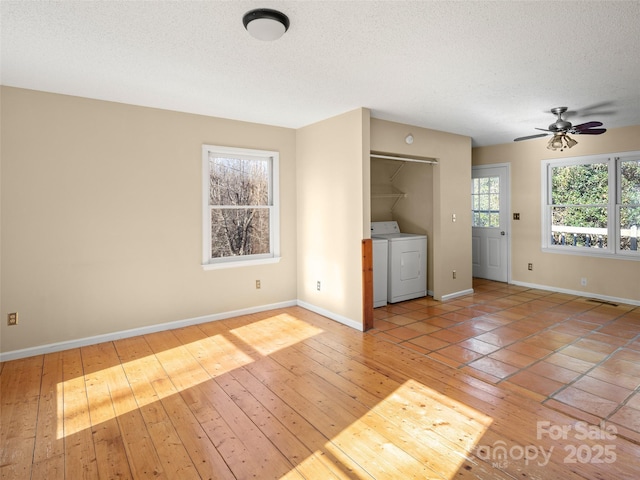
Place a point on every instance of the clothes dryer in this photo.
(407, 261)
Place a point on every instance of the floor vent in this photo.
(603, 302)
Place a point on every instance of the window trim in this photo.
(613, 161)
(273, 256)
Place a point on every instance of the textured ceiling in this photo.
(489, 70)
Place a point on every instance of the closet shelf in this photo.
(389, 195)
(388, 191)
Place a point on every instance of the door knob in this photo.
(502, 233)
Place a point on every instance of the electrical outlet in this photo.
(257, 284)
(454, 274)
(12, 318)
(530, 266)
(318, 285)
(583, 281)
(516, 216)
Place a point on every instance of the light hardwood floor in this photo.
(285, 394)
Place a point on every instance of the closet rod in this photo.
(403, 159)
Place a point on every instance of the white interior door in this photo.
(490, 222)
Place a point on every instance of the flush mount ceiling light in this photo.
(265, 24)
(408, 139)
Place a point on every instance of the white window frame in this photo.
(209, 263)
(613, 161)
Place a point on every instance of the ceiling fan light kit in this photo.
(560, 130)
(559, 141)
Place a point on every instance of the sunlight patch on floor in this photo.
(275, 333)
(218, 354)
(408, 448)
(73, 416)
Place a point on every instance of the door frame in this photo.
(507, 166)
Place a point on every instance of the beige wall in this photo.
(332, 179)
(101, 218)
(607, 277)
(449, 244)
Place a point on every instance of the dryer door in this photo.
(409, 265)
(407, 269)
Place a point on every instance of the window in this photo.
(591, 205)
(240, 206)
(485, 202)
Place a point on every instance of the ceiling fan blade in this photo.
(597, 107)
(586, 125)
(544, 129)
(592, 131)
(528, 137)
(602, 108)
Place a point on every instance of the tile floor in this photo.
(573, 354)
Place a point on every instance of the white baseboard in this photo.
(108, 337)
(578, 293)
(333, 316)
(457, 294)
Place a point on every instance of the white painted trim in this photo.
(578, 293)
(108, 337)
(507, 166)
(333, 316)
(456, 294)
(241, 263)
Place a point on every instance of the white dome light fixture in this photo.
(265, 24)
(409, 139)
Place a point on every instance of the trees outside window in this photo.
(485, 202)
(240, 205)
(629, 207)
(591, 205)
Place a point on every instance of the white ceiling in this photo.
(489, 70)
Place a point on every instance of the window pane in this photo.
(630, 182)
(483, 219)
(580, 184)
(579, 226)
(629, 228)
(238, 181)
(485, 202)
(494, 184)
(239, 231)
(494, 202)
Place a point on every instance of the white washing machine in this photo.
(407, 261)
(380, 265)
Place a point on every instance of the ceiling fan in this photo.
(561, 128)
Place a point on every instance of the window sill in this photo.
(591, 253)
(240, 263)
